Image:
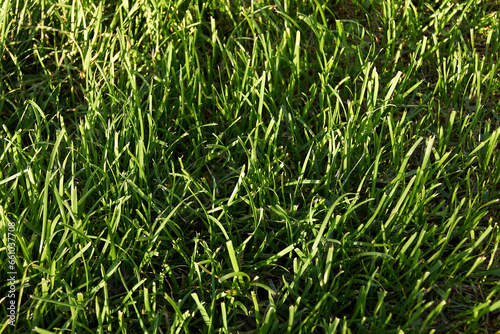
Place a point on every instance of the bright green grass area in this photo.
(250, 166)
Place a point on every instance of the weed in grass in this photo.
(271, 166)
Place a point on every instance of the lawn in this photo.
(244, 166)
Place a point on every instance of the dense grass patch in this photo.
(251, 166)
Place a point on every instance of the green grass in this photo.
(251, 166)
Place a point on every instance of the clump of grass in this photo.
(284, 166)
